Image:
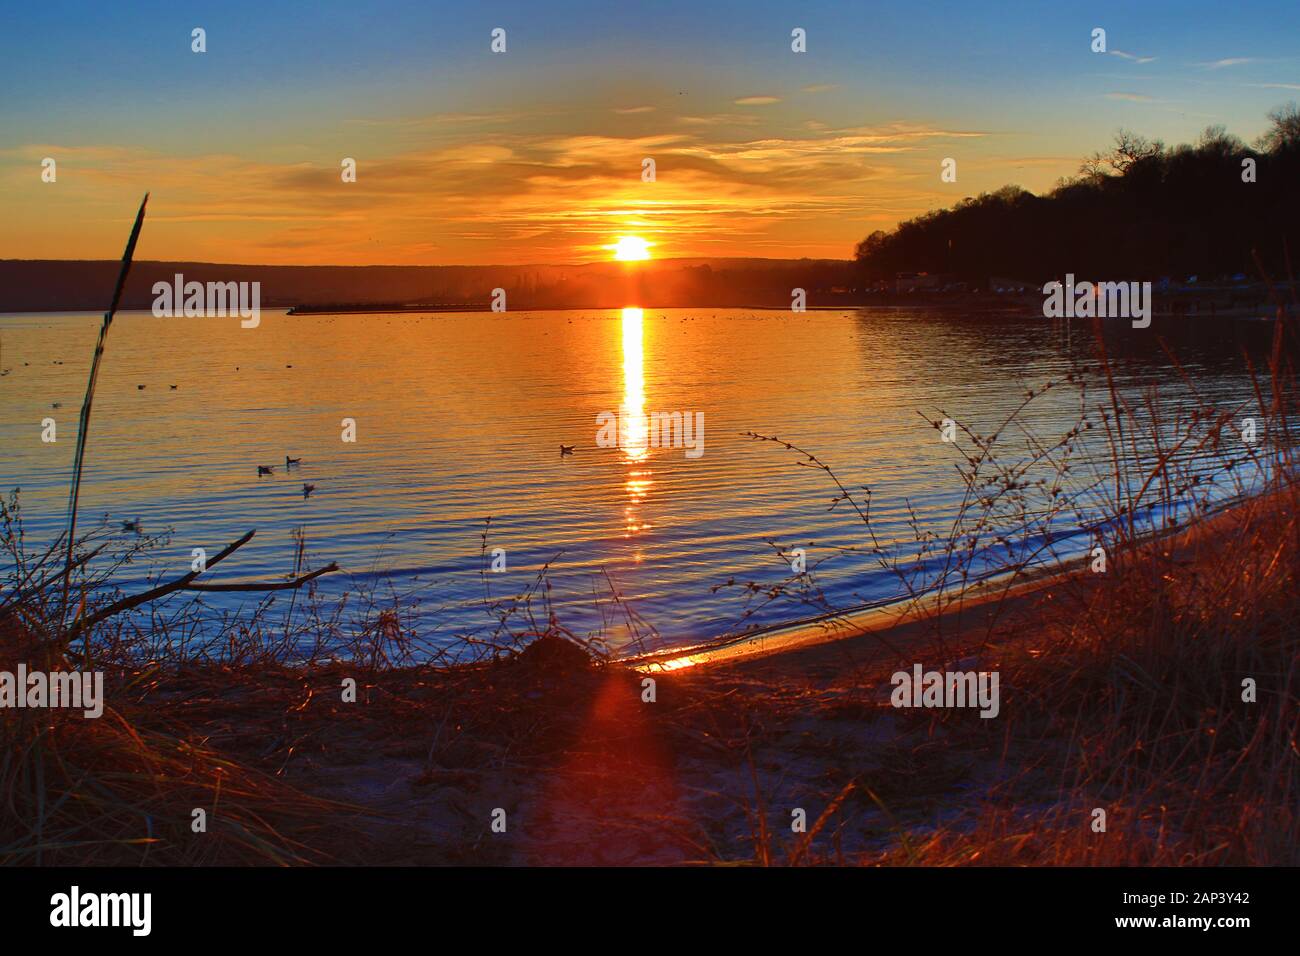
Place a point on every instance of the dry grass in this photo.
(121, 789)
(1128, 697)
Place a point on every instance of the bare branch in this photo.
(263, 586)
(154, 594)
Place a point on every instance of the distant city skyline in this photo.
(535, 155)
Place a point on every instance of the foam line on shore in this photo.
(873, 618)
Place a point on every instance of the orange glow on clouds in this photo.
(482, 189)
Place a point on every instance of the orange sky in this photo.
(482, 189)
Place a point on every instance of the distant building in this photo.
(917, 282)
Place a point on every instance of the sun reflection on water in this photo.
(633, 436)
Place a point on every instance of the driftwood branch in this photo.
(186, 583)
(263, 586)
(153, 594)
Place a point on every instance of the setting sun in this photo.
(631, 249)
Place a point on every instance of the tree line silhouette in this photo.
(1139, 210)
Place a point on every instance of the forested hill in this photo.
(1140, 210)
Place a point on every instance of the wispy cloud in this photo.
(757, 100)
(1227, 61)
(720, 119)
(1275, 86)
(1133, 57)
(628, 110)
(1130, 97)
(820, 87)
(532, 195)
(436, 119)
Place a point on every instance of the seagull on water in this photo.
(566, 450)
(264, 470)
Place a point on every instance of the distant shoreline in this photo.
(1241, 301)
(41, 286)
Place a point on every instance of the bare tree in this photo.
(1285, 132)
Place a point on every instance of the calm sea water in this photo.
(460, 417)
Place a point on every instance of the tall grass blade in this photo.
(84, 423)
